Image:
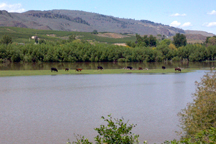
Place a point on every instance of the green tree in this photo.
(146, 40)
(139, 38)
(152, 41)
(211, 41)
(165, 42)
(179, 40)
(200, 115)
(95, 32)
(71, 38)
(6, 40)
(42, 41)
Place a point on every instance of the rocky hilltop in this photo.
(73, 20)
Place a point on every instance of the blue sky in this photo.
(185, 14)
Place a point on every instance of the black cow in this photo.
(163, 67)
(177, 69)
(54, 69)
(66, 69)
(100, 67)
(129, 67)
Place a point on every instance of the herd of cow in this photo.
(78, 69)
(101, 68)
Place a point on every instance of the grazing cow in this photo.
(129, 67)
(66, 69)
(177, 69)
(78, 69)
(54, 69)
(100, 67)
(140, 68)
(163, 67)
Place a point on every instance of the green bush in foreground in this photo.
(116, 132)
(201, 113)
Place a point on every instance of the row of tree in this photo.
(151, 41)
(77, 51)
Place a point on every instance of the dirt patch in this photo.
(195, 38)
(52, 35)
(111, 35)
(120, 44)
(10, 30)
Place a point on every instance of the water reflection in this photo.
(106, 65)
(47, 109)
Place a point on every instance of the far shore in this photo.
(6, 73)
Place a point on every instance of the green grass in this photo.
(4, 73)
(22, 35)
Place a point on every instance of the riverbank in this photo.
(4, 73)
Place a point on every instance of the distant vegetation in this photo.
(76, 48)
(23, 35)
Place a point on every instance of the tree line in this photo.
(146, 49)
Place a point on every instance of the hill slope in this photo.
(72, 20)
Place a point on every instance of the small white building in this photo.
(34, 37)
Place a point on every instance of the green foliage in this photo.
(201, 114)
(152, 40)
(119, 132)
(165, 42)
(84, 51)
(202, 137)
(144, 41)
(211, 40)
(80, 140)
(42, 41)
(6, 40)
(23, 35)
(71, 38)
(116, 132)
(179, 40)
(94, 32)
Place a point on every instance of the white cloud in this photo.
(177, 14)
(187, 24)
(211, 24)
(12, 7)
(212, 12)
(175, 24)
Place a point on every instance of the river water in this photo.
(50, 109)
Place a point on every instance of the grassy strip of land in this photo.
(5, 73)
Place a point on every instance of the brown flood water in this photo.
(50, 109)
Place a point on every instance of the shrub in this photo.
(6, 40)
(117, 131)
(176, 58)
(200, 115)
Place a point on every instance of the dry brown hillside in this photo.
(195, 38)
